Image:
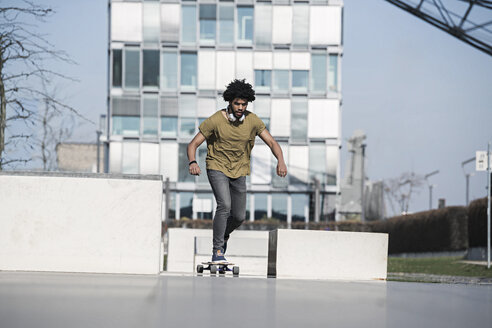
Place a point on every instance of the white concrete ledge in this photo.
(304, 254)
(80, 223)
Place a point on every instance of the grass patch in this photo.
(448, 266)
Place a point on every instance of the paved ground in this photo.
(82, 300)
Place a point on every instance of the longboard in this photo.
(214, 267)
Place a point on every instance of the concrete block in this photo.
(189, 247)
(80, 223)
(304, 254)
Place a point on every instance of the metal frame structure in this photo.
(478, 35)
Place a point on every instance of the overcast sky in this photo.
(422, 97)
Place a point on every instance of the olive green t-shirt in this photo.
(229, 144)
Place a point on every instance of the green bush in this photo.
(439, 230)
(477, 223)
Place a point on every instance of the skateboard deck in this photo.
(219, 267)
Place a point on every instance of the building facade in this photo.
(170, 61)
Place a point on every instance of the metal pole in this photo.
(362, 184)
(317, 187)
(168, 199)
(488, 205)
(467, 188)
(98, 149)
(430, 196)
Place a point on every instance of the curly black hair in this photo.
(239, 89)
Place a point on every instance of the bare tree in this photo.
(401, 189)
(23, 77)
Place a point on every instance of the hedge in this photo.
(477, 223)
(439, 230)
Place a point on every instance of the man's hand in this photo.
(195, 169)
(281, 169)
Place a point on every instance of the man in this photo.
(230, 135)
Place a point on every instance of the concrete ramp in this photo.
(80, 223)
(304, 254)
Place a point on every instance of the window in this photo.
(169, 160)
(150, 68)
(169, 126)
(318, 73)
(331, 165)
(126, 125)
(117, 67)
(300, 25)
(130, 158)
(298, 164)
(300, 208)
(188, 19)
(132, 68)
(260, 165)
(187, 127)
(280, 115)
(202, 155)
(226, 24)
(183, 172)
(281, 80)
(150, 116)
(279, 182)
(170, 22)
(261, 206)
(151, 17)
(263, 25)
(282, 25)
(317, 162)
(186, 206)
(299, 118)
(263, 80)
(169, 76)
(188, 71)
(333, 74)
(300, 81)
(126, 21)
(262, 106)
(279, 206)
(208, 18)
(244, 25)
(149, 158)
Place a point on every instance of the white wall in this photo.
(77, 223)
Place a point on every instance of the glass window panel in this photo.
(126, 125)
(300, 25)
(188, 19)
(130, 158)
(206, 107)
(169, 161)
(186, 204)
(188, 70)
(170, 22)
(207, 200)
(151, 17)
(149, 158)
(150, 115)
(317, 162)
(169, 106)
(260, 165)
(298, 164)
(244, 26)
(263, 25)
(261, 206)
(318, 72)
(126, 22)
(263, 80)
(187, 127)
(300, 207)
(279, 182)
(331, 165)
(202, 154)
(279, 206)
(150, 68)
(169, 77)
(299, 117)
(169, 126)
(280, 80)
(333, 74)
(123, 106)
(132, 68)
(282, 25)
(117, 67)
(115, 152)
(226, 23)
(183, 173)
(187, 106)
(208, 18)
(172, 206)
(300, 81)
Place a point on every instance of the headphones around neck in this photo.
(232, 117)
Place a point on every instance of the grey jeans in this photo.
(230, 213)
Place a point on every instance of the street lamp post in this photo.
(430, 186)
(467, 177)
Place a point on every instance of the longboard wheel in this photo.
(235, 271)
(199, 268)
(213, 269)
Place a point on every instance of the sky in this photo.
(422, 97)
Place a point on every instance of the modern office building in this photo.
(169, 62)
